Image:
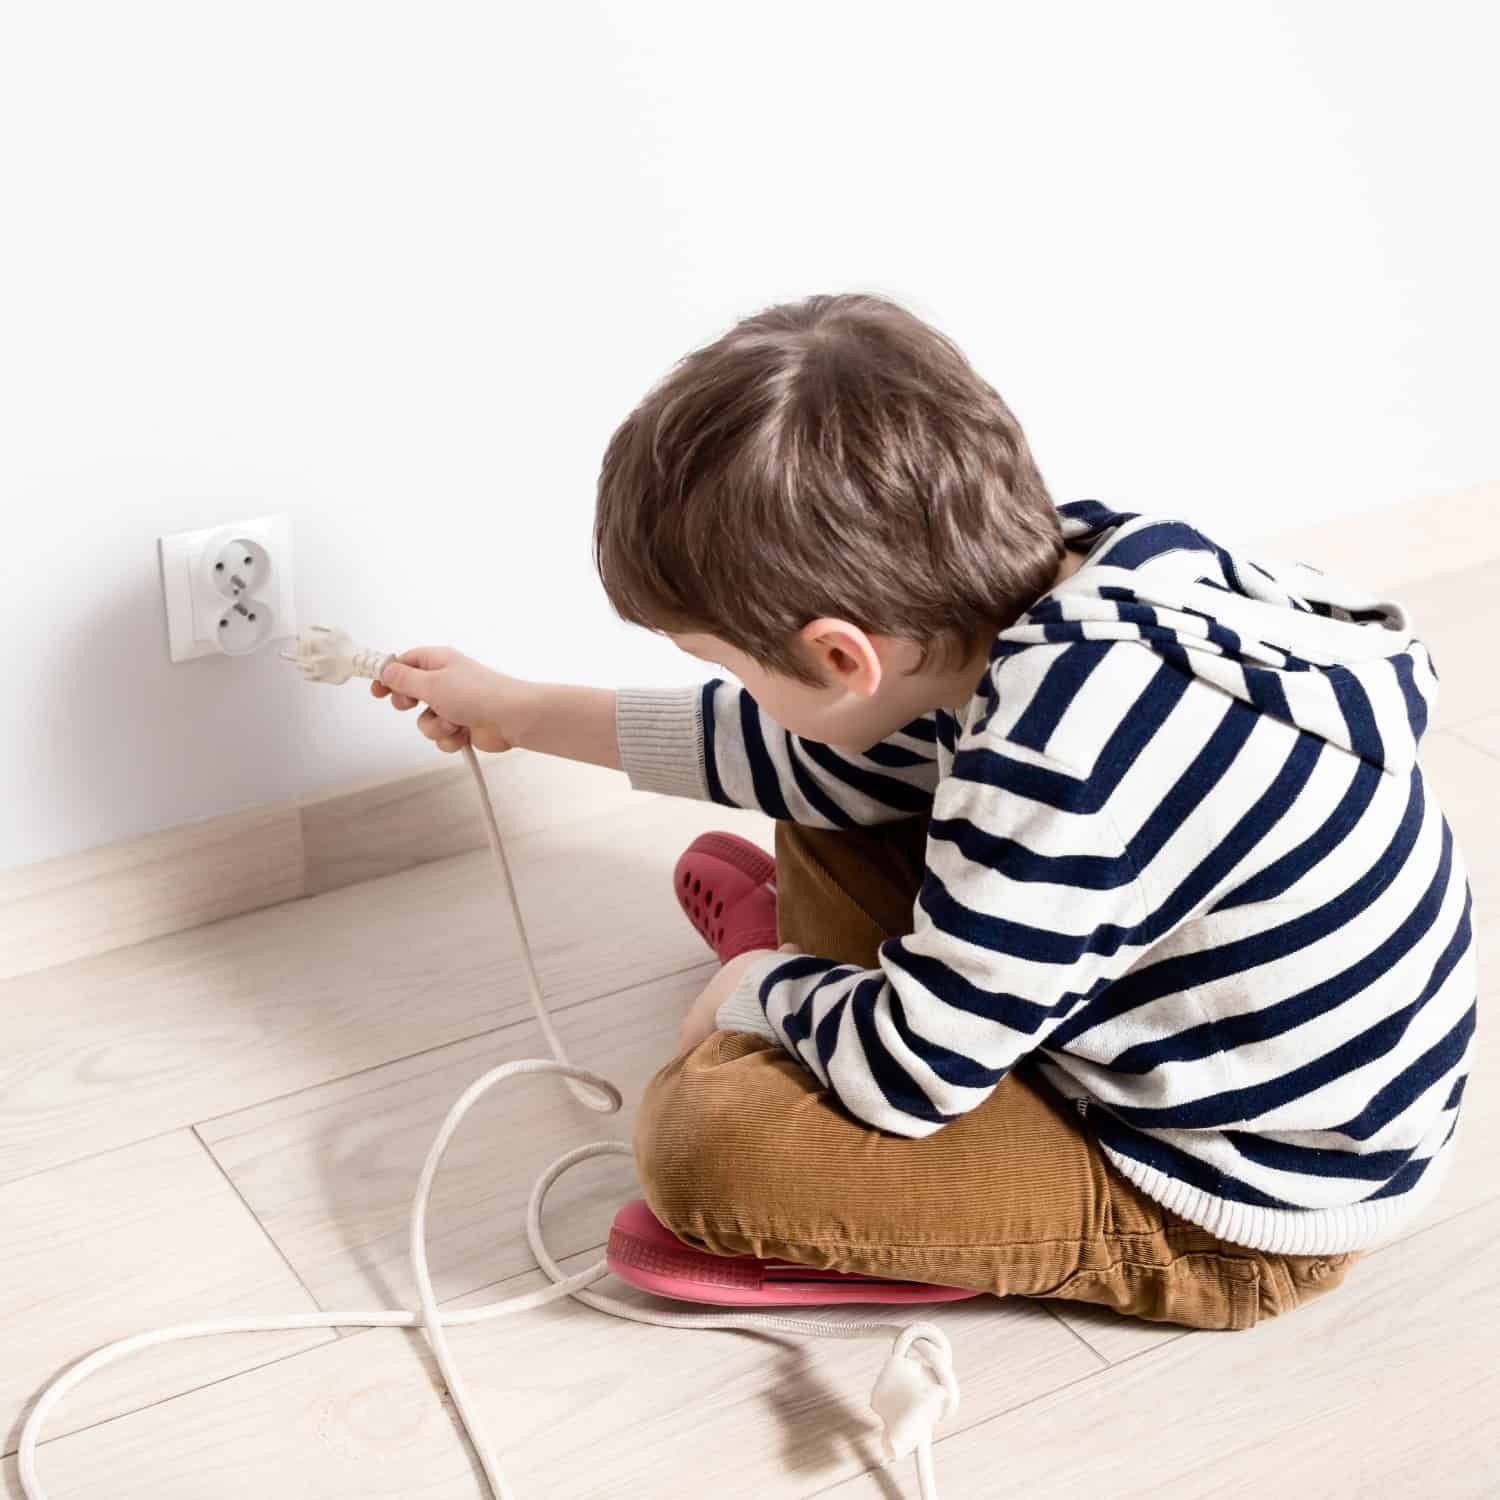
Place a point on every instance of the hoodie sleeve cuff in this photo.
(660, 735)
(742, 1010)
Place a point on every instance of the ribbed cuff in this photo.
(742, 1011)
(660, 734)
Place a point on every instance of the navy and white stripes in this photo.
(1181, 849)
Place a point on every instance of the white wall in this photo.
(399, 270)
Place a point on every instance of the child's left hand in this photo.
(700, 1022)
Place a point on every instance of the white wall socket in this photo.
(228, 588)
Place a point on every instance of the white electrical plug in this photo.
(328, 655)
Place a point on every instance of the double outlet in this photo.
(228, 588)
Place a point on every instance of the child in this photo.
(1131, 956)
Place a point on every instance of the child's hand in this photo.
(469, 703)
(700, 1021)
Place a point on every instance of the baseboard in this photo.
(378, 827)
(1396, 546)
(128, 892)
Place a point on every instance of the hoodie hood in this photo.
(1327, 657)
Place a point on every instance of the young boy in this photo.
(1131, 951)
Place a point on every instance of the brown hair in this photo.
(833, 456)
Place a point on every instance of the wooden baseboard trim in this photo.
(128, 892)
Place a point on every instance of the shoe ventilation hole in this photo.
(707, 897)
(719, 909)
(686, 877)
(695, 887)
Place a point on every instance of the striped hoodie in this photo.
(1181, 852)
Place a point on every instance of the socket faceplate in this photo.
(197, 597)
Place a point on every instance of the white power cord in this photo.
(915, 1391)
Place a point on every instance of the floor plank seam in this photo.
(1049, 1308)
(341, 1333)
(1457, 731)
(1438, 1223)
(73, 1161)
(206, 1385)
(256, 1219)
(389, 1062)
(1055, 1390)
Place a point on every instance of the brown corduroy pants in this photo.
(741, 1151)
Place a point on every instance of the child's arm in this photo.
(470, 703)
(577, 723)
(1030, 908)
(711, 742)
(715, 743)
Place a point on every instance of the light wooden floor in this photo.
(230, 1121)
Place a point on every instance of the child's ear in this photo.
(843, 655)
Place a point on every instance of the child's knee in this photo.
(697, 1147)
(661, 1138)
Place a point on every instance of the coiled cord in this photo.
(915, 1391)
